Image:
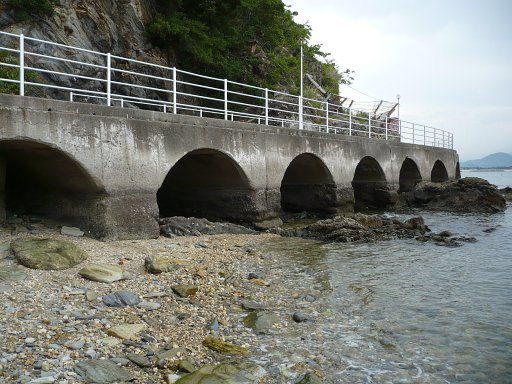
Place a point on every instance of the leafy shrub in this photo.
(13, 74)
(250, 41)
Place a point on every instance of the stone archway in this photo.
(207, 183)
(39, 180)
(370, 187)
(439, 173)
(409, 175)
(308, 185)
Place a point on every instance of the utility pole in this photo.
(301, 102)
(398, 106)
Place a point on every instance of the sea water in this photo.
(402, 311)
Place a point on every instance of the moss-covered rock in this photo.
(47, 254)
(224, 347)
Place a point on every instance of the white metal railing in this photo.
(91, 76)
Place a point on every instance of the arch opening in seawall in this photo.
(409, 175)
(42, 181)
(207, 183)
(308, 186)
(370, 187)
(439, 173)
(457, 171)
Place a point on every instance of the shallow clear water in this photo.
(404, 311)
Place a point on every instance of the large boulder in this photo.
(470, 194)
(242, 373)
(48, 254)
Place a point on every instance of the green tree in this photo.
(251, 41)
(24, 9)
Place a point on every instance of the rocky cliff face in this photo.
(115, 26)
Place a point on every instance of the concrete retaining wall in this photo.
(119, 158)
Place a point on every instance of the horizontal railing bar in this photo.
(63, 74)
(198, 75)
(142, 86)
(141, 62)
(246, 95)
(10, 65)
(61, 87)
(64, 46)
(9, 80)
(66, 60)
(9, 34)
(10, 50)
(201, 86)
(142, 74)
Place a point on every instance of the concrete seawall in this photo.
(113, 171)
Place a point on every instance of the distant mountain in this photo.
(496, 160)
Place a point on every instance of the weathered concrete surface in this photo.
(100, 168)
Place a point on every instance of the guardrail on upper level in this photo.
(48, 69)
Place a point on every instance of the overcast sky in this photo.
(450, 61)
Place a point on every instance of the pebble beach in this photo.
(50, 320)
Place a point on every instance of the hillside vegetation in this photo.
(251, 41)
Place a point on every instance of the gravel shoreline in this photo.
(53, 319)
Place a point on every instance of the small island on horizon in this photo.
(496, 161)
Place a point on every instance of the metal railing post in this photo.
(109, 66)
(434, 144)
(71, 96)
(350, 121)
(386, 128)
(225, 99)
(424, 136)
(369, 126)
(266, 106)
(327, 116)
(301, 113)
(22, 65)
(174, 94)
(413, 132)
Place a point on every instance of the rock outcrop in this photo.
(191, 226)
(507, 193)
(359, 227)
(470, 194)
(97, 25)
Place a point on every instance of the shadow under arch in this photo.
(439, 173)
(409, 175)
(207, 183)
(370, 187)
(308, 185)
(41, 180)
